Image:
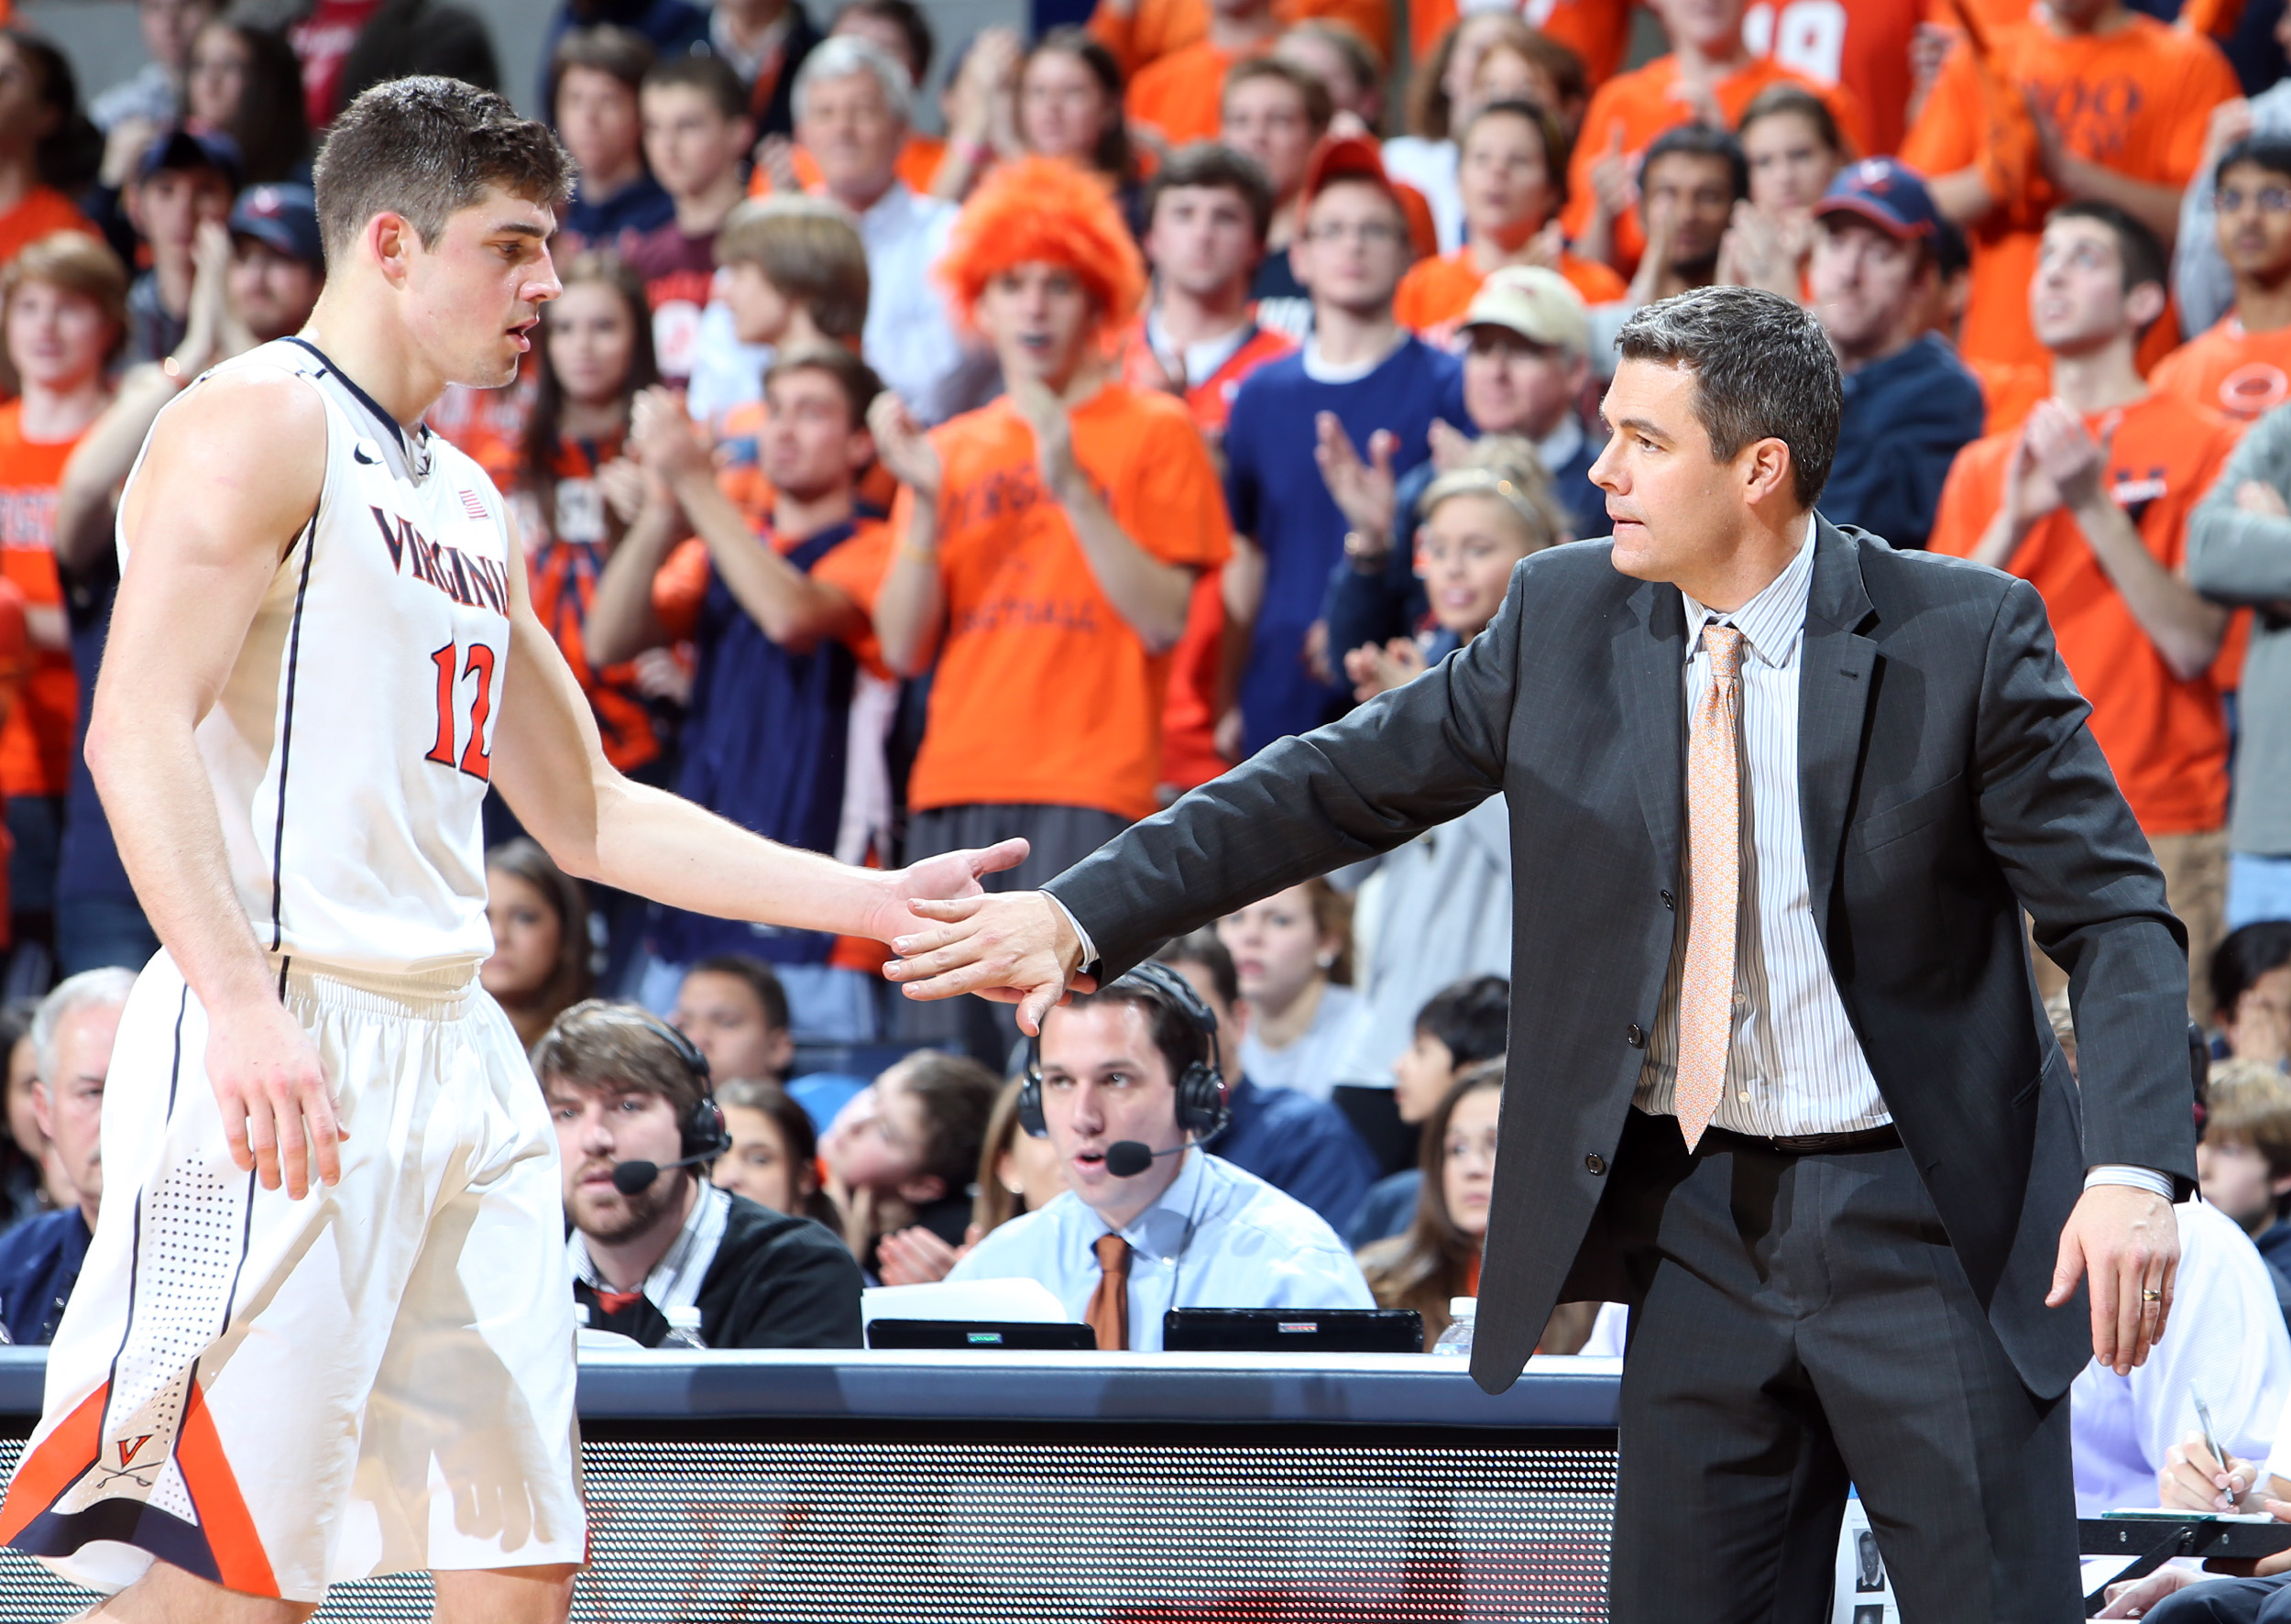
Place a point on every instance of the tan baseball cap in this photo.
(1541, 306)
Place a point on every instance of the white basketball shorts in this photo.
(279, 1395)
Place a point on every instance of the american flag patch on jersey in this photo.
(473, 507)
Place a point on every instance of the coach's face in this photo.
(1679, 513)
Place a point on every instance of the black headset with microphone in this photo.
(701, 1133)
(1202, 1106)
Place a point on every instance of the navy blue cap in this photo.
(1885, 192)
(178, 147)
(283, 217)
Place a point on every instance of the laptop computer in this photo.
(1292, 1330)
(988, 1335)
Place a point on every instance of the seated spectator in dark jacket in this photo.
(1910, 405)
(643, 1264)
(1302, 1147)
(1458, 1027)
(902, 1154)
(39, 1260)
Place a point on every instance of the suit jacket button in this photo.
(1596, 1163)
(1635, 1035)
(1669, 902)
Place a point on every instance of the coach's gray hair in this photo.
(89, 989)
(1762, 368)
(841, 55)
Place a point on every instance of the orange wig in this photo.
(1044, 210)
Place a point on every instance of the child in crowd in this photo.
(539, 917)
(1294, 953)
(2243, 1162)
(1457, 1028)
(902, 1154)
(774, 1158)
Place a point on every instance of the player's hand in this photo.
(1018, 948)
(904, 448)
(278, 1111)
(2191, 1480)
(948, 875)
(2127, 1241)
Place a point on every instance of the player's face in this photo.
(725, 1022)
(2255, 207)
(1266, 119)
(1868, 284)
(1040, 319)
(808, 446)
(528, 937)
(57, 339)
(2077, 299)
(73, 1098)
(689, 142)
(1514, 386)
(877, 1141)
(273, 293)
(759, 311)
(1505, 179)
(1104, 1079)
(1467, 1174)
(759, 1165)
(1464, 553)
(589, 335)
(597, 1128)
(1062, 109)
(1203, 238)
(1675, 507)
(473, 300)
(1791, 165)
(1352, 248)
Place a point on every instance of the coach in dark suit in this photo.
(1778, 1075)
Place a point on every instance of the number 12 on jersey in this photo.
(476, 662)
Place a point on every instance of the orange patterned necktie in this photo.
(1714, 815)
(1109, 1310)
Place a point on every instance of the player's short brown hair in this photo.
(853, 377)
(2249, 1102)
(808, 248)
(602, 1044)
(77, 263)
(426, 147)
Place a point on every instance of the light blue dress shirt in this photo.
(1217, 1238)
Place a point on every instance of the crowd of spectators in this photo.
(900, 477)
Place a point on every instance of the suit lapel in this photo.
(1834, 692)
(1650, 665)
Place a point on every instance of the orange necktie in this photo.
(1714, 815)
(1109, 1310)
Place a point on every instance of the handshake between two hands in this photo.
(2194, 1480)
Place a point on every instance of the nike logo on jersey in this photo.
(467, 578)
(358, 454)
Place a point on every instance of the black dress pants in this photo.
(1805, 1323)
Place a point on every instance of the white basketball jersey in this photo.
(351, 749)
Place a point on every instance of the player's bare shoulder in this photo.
(236, 463)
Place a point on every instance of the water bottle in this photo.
(684, 1328)
(1456, 1342)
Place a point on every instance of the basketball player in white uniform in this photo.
(324, 1331)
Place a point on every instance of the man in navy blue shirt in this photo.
(71, 1044)
(1359, 374)
(1302, 1147)
(1910, 405)
(594, 102)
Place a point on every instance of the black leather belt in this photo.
(1878, 1138)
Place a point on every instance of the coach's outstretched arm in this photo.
(596, 825)
(1409, 760)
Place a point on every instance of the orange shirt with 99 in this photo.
(1045, 695)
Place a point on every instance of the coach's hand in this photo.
(2127, 1241)
(1018, 948)
(948, 875)
(278, 1111)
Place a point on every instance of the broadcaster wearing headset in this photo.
(625, 1088)
(1137, 1061)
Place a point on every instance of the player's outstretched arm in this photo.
(548, 762)
(232, 476)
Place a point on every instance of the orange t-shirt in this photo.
(2010, 389)
(2244, 375)
(1598, 31)
(2138, 101)
(43, 210)
(1435, 294)
(2165, 738)
(1181, 95)
(1044, 694)
(1862, 44)
(35, 742)
(1641, 104)
(1156, 28)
